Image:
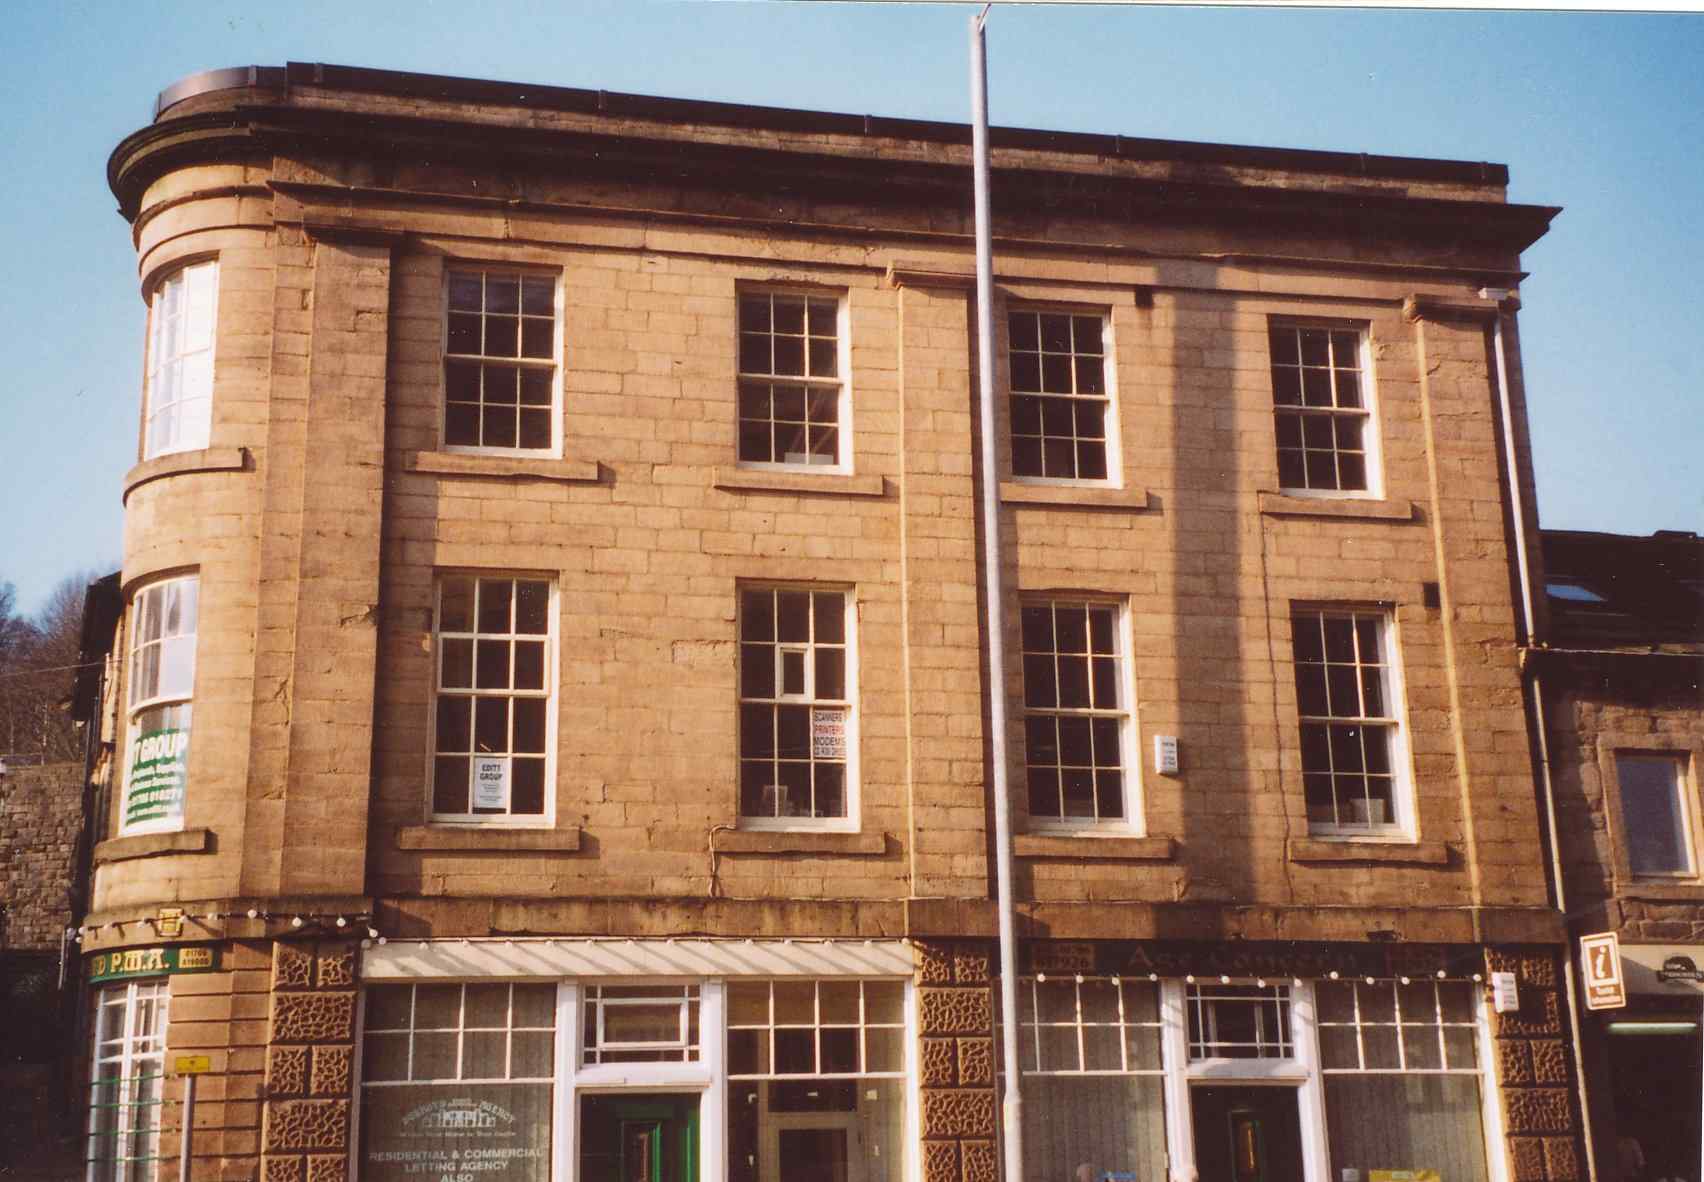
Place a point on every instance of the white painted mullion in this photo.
(1310, 1096)
(1174, 1058)
(911, 1123)
(1490, 1096)
(564, 1133)
(712, 1048)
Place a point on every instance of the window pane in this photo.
(1651, 804)
(1406, 1122)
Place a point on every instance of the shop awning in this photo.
(556, 958)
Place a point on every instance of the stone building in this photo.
(1619, 682)
(553, 723)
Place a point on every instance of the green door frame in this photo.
(661, 1109)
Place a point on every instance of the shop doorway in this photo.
(1246, 1134)
(1654, 1077)
(639, 1138)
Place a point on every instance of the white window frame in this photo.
(550, 694)
(1302, 1072)
(1402, 826)
(678, 994)
(1114, 477)
(851, 821)
(135, 706)
(1133, 823)
(843, 460)
(1034, 1025)
(170, 360)
(521, 271)
(1370, 430)
(1681, 762)
(132, 1061)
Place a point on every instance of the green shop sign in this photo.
(155, 778)
(151, 962)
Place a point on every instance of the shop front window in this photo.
(1094, 1083)
(816, 1074)
(1401, 1074)
(457, 1079)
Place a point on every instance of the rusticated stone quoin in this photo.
(1561, 1159)
(976, 1062)
(334, 968)
(934, 964)
(955, 1011)
(1526, 1154)
(962, 1113)
(292, 967)
(331, 1072)
(1514, 1062)
(941, 1161)
(313, 1017)
(306, 1125)
(1538, 1016)
(286, 1071)
(981, 1163)
(288, 1168)
(1537, 1110)
(971, 964)
(938, 1063)
(1550, 1062)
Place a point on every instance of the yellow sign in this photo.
(170, 922)
(1402, 1176)
(191, 1064)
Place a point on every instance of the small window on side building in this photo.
(1656, 815)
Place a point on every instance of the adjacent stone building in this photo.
(1619, 682)
(553, 727)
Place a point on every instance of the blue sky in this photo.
(1600, 113)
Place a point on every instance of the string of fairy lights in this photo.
(1260, 982)
(362, 923)
(350, 923)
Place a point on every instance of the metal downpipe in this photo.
(1012, 1103)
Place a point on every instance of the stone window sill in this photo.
(1663, 890)
(837, 484)
(181, 463)
(1387, 853)
(148, 845)
(1279, 505)
(449, 463)
(771, 841)
(1071, 496)
(1086, 847)
(488, 839)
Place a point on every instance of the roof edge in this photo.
(616, 103)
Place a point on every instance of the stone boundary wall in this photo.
(41, 814)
